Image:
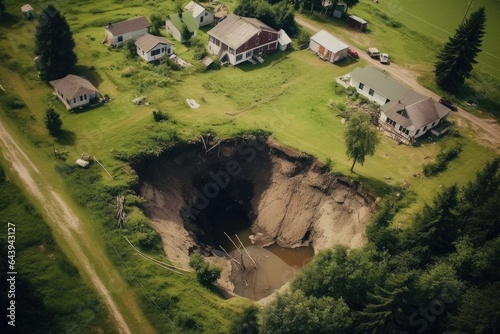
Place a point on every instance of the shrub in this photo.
(303, 39)
(53, 122)
(206, 274)
(443, 158)
(159, 116)
(131, 48)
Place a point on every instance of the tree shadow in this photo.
(8, 20)
(66, 138)
(89, 73)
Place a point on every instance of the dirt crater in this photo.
(290, 197)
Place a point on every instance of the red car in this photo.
(352, 53)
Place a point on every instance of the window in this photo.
(231, 51)
(371, 91)
(81, 98)
(201, 19)
(400, 128)
(85, 96)
(206, 13)
(387, 101)
(257, 41)
(143, 53)
(155, 52)
(238, 57)
(361, 86)
(248, 54)
(416, 133)
(407, 131)
(74, 100)
(120, 39)
(387, 120)
(433, 123)
(269, 37)
(425, 128)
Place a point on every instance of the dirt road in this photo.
(56, 210)
(491, 128)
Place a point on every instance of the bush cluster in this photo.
(443, 158)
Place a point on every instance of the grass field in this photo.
(292, 95)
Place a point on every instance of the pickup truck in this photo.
(384, 58)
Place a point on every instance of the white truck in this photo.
(373, 52)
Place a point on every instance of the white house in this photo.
(121, 32)
(284, 41)
(404, 114)
(150, 47)
(75, 91)
(201, 15)
(412, 115)
(376, 85)
(237, 39)
(327, 47)
(28, 11)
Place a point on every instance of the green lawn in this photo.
(290, 95)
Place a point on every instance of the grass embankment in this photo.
(292, 95)
(50, 295)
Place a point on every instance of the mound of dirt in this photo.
(289, 197)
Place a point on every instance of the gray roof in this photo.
(148, 41)
(131, 25)
(236, 30)
(357, 18)
(414, 110)
(380, 82)
(195, 8)
(72, 86)
(329, 42)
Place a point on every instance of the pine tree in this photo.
(53, 122)
(2, 6)
(455, 61)
(361, 140)
(54, 45)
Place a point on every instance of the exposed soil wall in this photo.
(289, 196)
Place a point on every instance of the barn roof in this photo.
(131, 25)
(72, 86)
(236, 30)
(148, 42)
(380, 82)
(329, 42)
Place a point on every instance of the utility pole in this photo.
(467, 12)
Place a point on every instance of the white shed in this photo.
(28, 11)
(328, 47)
(284, 40)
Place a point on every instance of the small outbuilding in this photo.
(151, 47)
(284, 41)
(82, 163)
(201, 16)
(28, 11)
(328, 47)
(357, 22)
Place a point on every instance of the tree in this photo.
(454, 63)
(156, 23)
(361, 140)
(185, 33)
(350, 4)
(54, 45)
(296, 313)
(131, 48)
(247, 323)
(53, 122)
(2, 6)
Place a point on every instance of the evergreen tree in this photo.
(2, 6)
(54, 45)
(391, 306)
(361, 140)
(53, 122)
(455, 61)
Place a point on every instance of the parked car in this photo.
(445, 102)
(352, 53)
(384, 58)
(373, 52)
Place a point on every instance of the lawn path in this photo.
(57, 211)
(491, 129)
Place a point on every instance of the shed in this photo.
(284, 40)
(357, 22)
(28, 11)
(82, 163)
(328, 47)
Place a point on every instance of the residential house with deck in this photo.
(151, 47)
(405, 114)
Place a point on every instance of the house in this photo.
(284, 41)
(404, 114)
(150, 47)
(201, 15)
(28, 11)
(121, 32)
(75, 91)
(339, 9)
(327, 47)
(357, 22)
(177, 23)
(237, 39)
(412, 115)
(376, 85)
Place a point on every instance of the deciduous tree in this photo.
(361, 139)
(455, 62)
(54, 45)
(53, 122)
